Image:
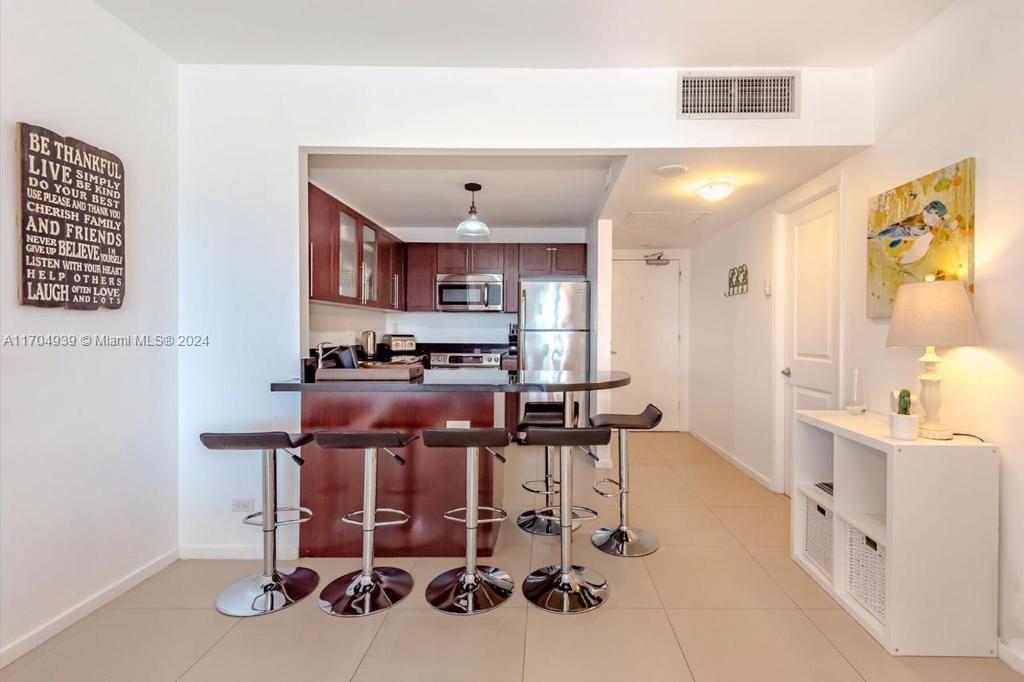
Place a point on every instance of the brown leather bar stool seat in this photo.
(273, 589)
(371, 588)
(471, 588)
(624, 540)
(566, 587)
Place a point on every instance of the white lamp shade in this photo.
(933, 314)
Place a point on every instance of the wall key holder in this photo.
(737, 281)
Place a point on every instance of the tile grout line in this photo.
(210, 648)
(362, 659)
(833, 644)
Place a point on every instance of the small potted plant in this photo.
(903, 424)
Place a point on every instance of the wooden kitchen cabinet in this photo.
(453, 259)
(569, 259)
(351, 259)
(538, 260)
(321, 245)
(487, 259)
(511, 276)
(421, 276)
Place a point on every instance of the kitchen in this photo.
(385, 304)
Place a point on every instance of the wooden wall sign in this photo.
(71, 212)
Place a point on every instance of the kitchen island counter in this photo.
(432, 481)
(468, 381)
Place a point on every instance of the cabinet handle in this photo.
(364, 282)
(396, 291)
(309, 269)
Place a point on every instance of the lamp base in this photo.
(935, 432)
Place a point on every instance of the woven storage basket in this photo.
(865, 572)
(818, 535)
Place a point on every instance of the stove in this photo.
(452, 360)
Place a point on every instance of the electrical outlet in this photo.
(453, 424)
(243, 504)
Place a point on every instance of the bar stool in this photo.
(273, 589)
(566, 587)
(371, 588)
(472, 588)
(624, 541)
(542, 414)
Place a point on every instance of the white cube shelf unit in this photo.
(914, 531)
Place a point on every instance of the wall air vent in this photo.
(738, 94)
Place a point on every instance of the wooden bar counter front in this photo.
(433, 480)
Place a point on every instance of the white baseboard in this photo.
(235, 552)
(1011, 651)
(30, 641)
(742, 466)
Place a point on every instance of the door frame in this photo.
(832, 182)
(682, 259)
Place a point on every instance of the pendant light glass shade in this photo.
(472, 226)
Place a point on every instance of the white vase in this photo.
(903, 426)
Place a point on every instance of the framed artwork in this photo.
(921, 229)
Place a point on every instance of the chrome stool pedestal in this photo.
(624, 540)
(543, 414)
(273, 589)
(566, 587)
(369, 589)
(472, 588)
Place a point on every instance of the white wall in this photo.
(934, 107)
(242, 135)
(730, 346)
(88, 437)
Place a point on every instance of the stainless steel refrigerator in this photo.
(554, 328)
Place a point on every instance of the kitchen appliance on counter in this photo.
(400, 343)
(369, 341)
(470, 293)
(554, 329)
(477, 360)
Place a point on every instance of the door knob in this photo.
(787, 372)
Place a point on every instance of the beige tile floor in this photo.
(721, 600)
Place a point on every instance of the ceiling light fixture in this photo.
(472, 226)
(673, 170)
(716, 190)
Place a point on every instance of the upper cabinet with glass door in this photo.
(349, 256)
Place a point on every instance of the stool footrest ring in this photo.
(579, 513)
(499, 515)
(540, 491)
(619, 490)
(256, 519)
(356, 518)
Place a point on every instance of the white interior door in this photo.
(811, 314)
(645, 338)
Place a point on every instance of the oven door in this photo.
(472, 293)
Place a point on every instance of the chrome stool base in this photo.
(582, 589)
(462, 594)
(354, 594)
(628, 542)
(533, 524)
(258, 595)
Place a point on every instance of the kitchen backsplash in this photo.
(338, 324)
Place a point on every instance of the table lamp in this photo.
(932, 314)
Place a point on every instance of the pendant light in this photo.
(472, 226)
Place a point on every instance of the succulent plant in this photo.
(903, 405)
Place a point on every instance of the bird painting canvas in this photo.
(921, 230)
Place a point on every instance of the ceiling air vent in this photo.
(736, 94)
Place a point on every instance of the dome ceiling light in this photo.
(716, 190)
(472, 226)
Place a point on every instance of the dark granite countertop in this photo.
(468, 381)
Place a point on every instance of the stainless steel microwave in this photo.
(470, 293)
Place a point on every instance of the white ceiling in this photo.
(528, 33)
(761, 174)
(411, 190)
(570, 189)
